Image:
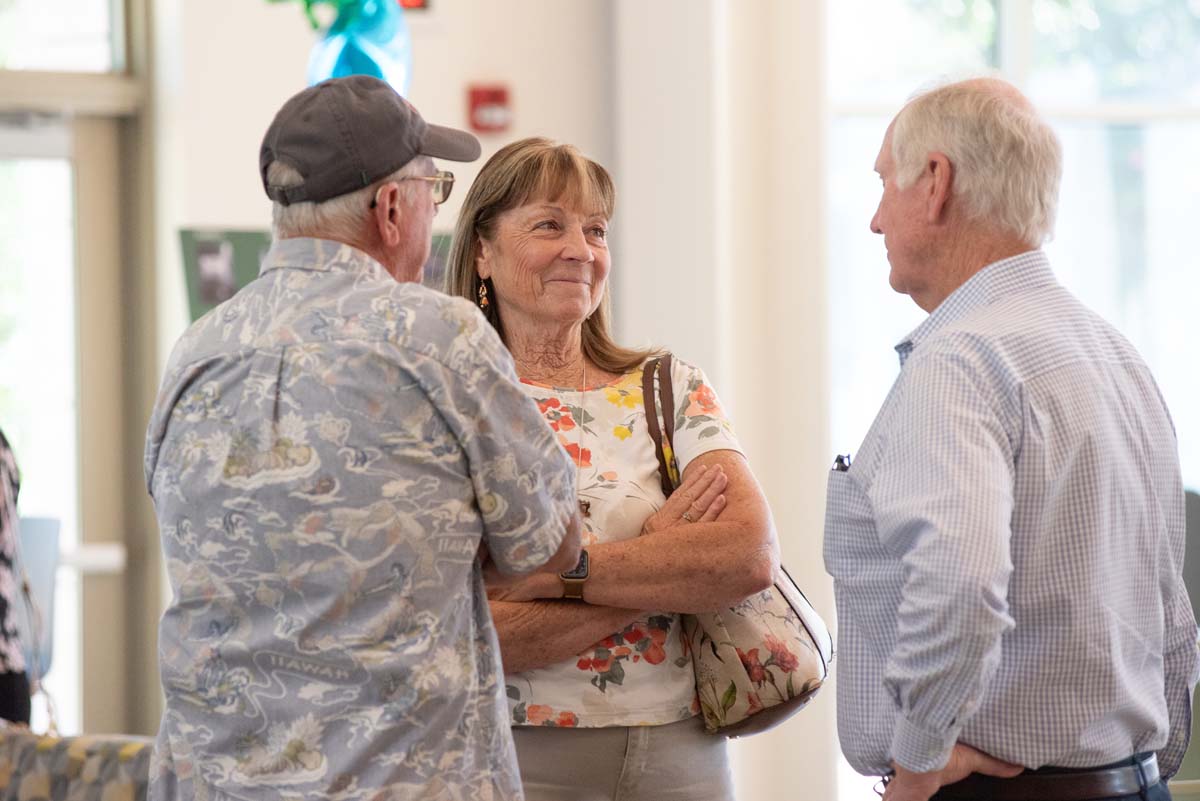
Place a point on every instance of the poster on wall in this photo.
(216, 264)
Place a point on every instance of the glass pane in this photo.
(38, 393)
(1116, 50)
(867, 318)
(1128, 197)
(883, 52)
(58, 35)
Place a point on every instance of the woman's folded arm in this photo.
(535, 634)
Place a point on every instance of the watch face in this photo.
(580, 571)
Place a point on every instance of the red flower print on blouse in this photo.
(750, 661)
(654, 652)
(703, 403)
(581, 457)
(538, 714)
(643, 641)
(601, 661)
(542, 715)
(780, 655)
(558, 416)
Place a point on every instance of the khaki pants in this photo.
(675, 762)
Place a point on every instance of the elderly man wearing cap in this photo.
(336, 457)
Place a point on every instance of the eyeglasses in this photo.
(442, 180)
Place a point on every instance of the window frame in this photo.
(111, 131)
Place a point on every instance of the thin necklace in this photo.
(585, 506)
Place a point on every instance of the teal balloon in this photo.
(368, 37)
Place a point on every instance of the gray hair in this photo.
(1007, 160)
(341, 217)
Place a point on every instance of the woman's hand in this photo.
(697, 500)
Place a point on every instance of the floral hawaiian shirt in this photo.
(328, 451)
(640, 675)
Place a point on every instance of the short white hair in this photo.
(1007, 161)
(341, 217)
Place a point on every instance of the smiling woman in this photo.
(531, 250)
(541, 183)
(559, 263)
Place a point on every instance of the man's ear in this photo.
(940, 173)
(388, 211)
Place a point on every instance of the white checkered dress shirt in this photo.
(1007, 545)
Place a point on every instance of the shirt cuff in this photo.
(919, 749)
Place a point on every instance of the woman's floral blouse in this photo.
(640, 675)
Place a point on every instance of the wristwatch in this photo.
(574, 579)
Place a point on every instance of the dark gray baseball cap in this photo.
(346, 133)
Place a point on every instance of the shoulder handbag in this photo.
(763, 660)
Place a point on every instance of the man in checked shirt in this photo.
(1007, 544)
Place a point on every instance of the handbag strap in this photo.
(666, 397)
(663, 399)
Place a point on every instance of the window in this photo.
(38, 391)
(60, 35)
(1120, 82)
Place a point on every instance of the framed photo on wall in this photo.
(216, 264)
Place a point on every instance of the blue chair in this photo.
(38, 557)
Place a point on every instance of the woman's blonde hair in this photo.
(529, 170)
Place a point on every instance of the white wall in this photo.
(720, 232)
(223, 68)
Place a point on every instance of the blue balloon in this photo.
(369, 37)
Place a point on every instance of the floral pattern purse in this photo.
(763, 660)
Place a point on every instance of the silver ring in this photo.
(688, 516)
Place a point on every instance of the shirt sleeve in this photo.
(701, 424)
(943, 499)
(524, 483)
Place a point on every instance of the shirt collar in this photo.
(305, 253)
(998, 280)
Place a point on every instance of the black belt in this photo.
(1070, 785)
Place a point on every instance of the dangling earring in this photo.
(483, 296)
